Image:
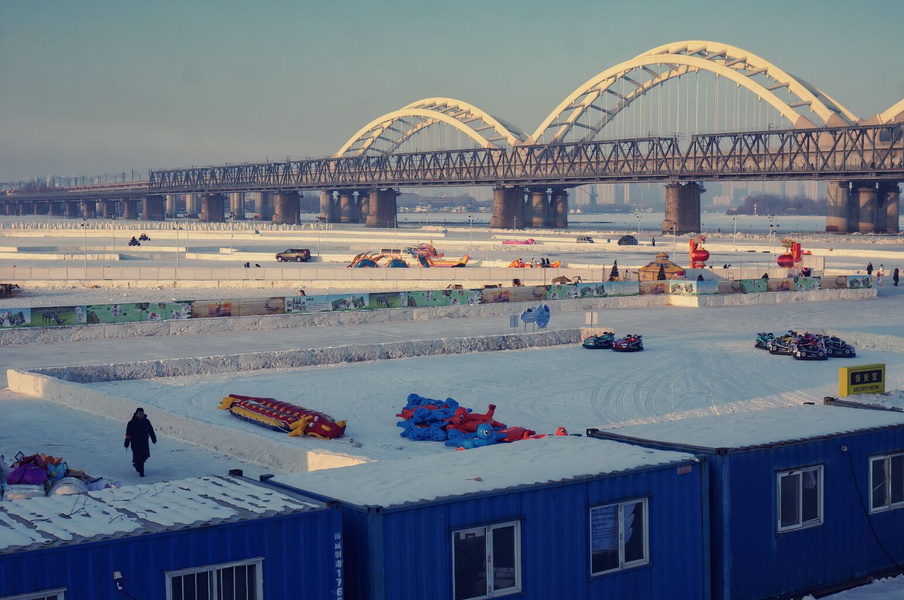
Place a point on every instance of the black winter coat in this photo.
(138, 431)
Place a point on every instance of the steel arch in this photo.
(895, 114)
(398, 126)
(681, 58)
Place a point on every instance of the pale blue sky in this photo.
(92, 87)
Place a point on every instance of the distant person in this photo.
(869, 268)
(654, 241)
(894, 276)
(138, 431)
(700, 277)
(517, 283)
(300, 293)
(880, 274)
(765, 277)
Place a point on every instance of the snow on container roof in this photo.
(41, 522)
(503, 466)
(762, 427)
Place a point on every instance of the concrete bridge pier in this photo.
(892, 199)
(108, 209)
(39, 208)
(55, 209)
(89, 210)
(326, 207)
(285, 208)
(508, 207)
(263, 206)
(866, 196)
(350, 206)
(71, 209)
(169, 209)
(558, 215)
(838, 207)
(213, 208)
(382, 209)
(237, 205)
(152, 208)
(539, 208)
(682, 208)
(192, 205)
(130, 209)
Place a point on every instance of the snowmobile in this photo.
(838, 348)
(810, 347)
(630, 343)
(604, 341)
(762, 340)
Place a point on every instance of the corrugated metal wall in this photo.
(850, 544)
(298, 553)
(555, 542)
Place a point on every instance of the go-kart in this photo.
(783, 344)
(762, 340)
(838, 348)
(604, 341)
(810, 347)
(630, 343)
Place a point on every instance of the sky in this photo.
(99, 87)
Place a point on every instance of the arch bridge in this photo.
(682, 113)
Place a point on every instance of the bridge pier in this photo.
(237, 205)
(213, 208)
(682, 208)
(382, 209)
(192, 205)
(892, 199)
(539, 208)
(326, 207)
(349, 207)
(838, 207)
(263, 206)
(285, 208)
(866, 196)
(55, 209)
(508, 207)
(169, 209)
(108, 209)
(129, 209)
(71, 209)
(559, 214)
(89, 209)
(152, 208)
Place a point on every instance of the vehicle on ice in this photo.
(630, 343)
(810, 347)
(604, 341)
(762, 340)
(783, 344)
(838, 348)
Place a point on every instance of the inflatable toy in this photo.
(484, 435)
(282, 416)
(467, 422)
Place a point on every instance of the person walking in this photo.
(880, 274)
(895, 275)
(138, 431)
(869, 268)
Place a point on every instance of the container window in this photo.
(233, 581)
(800, 498)
(618, 537)
(487, 561)
(886, 482)
(59, 594)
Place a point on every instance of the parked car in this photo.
(585, 239)
(296, 254)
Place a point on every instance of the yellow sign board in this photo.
(863, 379)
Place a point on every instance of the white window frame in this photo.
(487, 532)
(800, 473)
(258, 564)
(59, 594)
(890, 481)
(623, 563)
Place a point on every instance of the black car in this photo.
(296, 254)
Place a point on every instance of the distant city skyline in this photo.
(98, 87)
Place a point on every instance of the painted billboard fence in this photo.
(278, 305)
